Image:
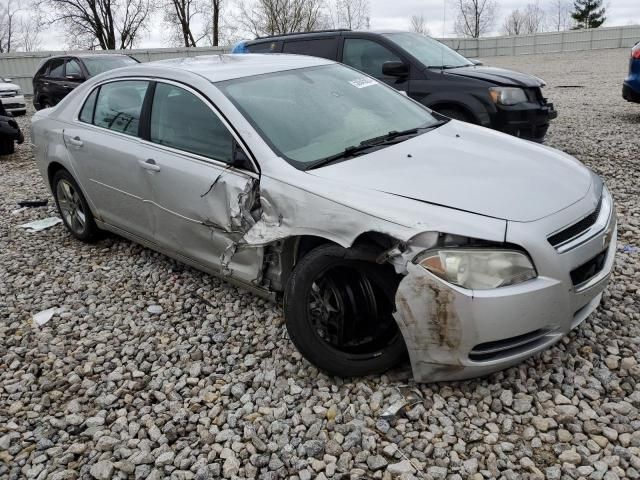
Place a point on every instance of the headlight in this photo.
(479, 269)
(507, 95)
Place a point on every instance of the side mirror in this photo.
(475, 61)
(240, 159)
(74, 76)
(395, 69)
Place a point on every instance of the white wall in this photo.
(22, 66)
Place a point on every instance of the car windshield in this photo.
(96, 65)
(310, 114)
(428, 51)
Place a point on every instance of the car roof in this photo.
(87, 55)
(320, 34)
(217, 68)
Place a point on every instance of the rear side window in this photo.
(56, 68)
(181, 120)
(367, 56)
(119, 105)
(321, 47)
(73, 68)
(86, 114)
(266, 47)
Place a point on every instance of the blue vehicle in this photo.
(631, 86)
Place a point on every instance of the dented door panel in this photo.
(201, 209)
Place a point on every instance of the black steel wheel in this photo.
(339, 312)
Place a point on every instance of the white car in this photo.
(11, 97)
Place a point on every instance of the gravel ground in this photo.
(211, 387)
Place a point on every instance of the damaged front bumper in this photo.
(454, 333)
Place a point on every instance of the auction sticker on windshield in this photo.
(363, 82)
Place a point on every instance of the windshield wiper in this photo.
(383, 140)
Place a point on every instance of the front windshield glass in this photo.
(96, 65)
(313, 113)
(428, 51)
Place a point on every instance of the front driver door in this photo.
(106, 148)
(202, 205)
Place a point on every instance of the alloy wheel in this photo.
(71, 207)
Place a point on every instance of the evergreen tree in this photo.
(588, 13)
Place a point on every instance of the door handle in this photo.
(149, 164)
(75, 141)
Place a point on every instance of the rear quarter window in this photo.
(265, 47)
(320, 47)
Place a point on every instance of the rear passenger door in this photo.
(324, 47)
(198, 196)
(369, 56)
(54, 81)
(105, 146)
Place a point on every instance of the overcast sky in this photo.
(395, 14)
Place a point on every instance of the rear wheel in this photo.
(339, 312)
(7, 146)
(73, 207)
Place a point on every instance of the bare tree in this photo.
(475, 17)
(524, 22)
(179, 15)
(560, 15)
(513, 23)
(418, 24)
(105, 24)
(351, 14)
(29, 28)
(8, 26)
(276, 17)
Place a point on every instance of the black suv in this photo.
(57, 76)
(431, 73)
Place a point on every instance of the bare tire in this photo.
(455, 114)
(73, 207)
(7, 146)
(339, 312)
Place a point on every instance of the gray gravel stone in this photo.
(106, 387)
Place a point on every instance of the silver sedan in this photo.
(386, 229)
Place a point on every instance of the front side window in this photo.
(56, 68)
(367, 56)
(119, 105)
(428, 51)
(181, 120)
(309, 114)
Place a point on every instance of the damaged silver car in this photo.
(386, 229)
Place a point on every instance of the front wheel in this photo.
(339, 312)
(73, 207)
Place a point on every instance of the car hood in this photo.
(499, 76)
(8, 86)
(473, 169)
